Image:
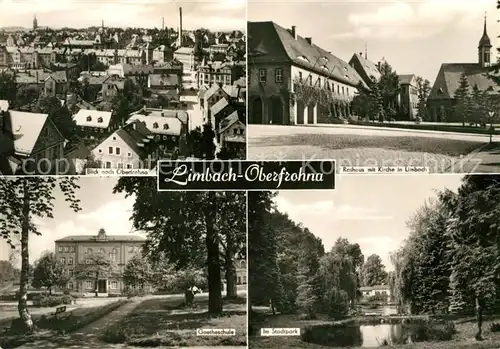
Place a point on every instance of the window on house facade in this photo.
(113, 255)
(300, 76)
(310, 80)
(63, 260)
(155, 125)
(131, 249)
(108, 164)
(72, 248)
(113, 285)
(89, 285)
(70, 286)
(262, 75)
(110, 150)
(319, 82)
(61, 248)
(100, 151)
(117, 151)
(89, 118)
(66, 248)
(278, 75)
(119, 165)
(70, 260)
(100, 120)
(343, 90)
(129, 166)
(238, 280)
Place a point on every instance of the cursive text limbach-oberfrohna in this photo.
(183, 175)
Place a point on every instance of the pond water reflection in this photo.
(378, 334)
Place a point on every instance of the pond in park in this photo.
(369, 335)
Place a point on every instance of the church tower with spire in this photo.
(35, 23)
(484, 48)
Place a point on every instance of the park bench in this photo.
(59, 311)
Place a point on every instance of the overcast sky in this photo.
(100, 209)
(210, 14)
(415, 37)
(371, 210)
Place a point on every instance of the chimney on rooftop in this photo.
(309, 41)
(294, 31)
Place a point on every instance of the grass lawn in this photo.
(167, 322)
(438, 154)
(431, 145)
(48, 326)
(464, 339)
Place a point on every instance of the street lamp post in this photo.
(491, 114)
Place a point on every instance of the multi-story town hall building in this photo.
(286, 70)
(75, 250)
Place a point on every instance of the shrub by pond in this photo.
(374, 335)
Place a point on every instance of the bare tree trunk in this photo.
(231, 288)
(213, 261)
(479, 318)
(25, 261)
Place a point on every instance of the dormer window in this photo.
(440, 91)
(165, 127)
(324, 67)
(89, 118)
(346, 76)
(155, 125)
(99, 120)
(303, 58)
(325, 58)
(345, 68)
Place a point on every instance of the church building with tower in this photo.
(35, 23)
(441, 98)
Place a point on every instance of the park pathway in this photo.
(87, 337)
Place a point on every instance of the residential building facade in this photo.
(378, 290)
(129, 147)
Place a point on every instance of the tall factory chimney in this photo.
(180, 27)
(163, 23)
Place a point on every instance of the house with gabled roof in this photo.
(95, 122)
(283, 66)
(129, 147)
(365, 68)
(231, 131)
(209, 97)
(111, 87)
(37, 146)
(441, 99)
